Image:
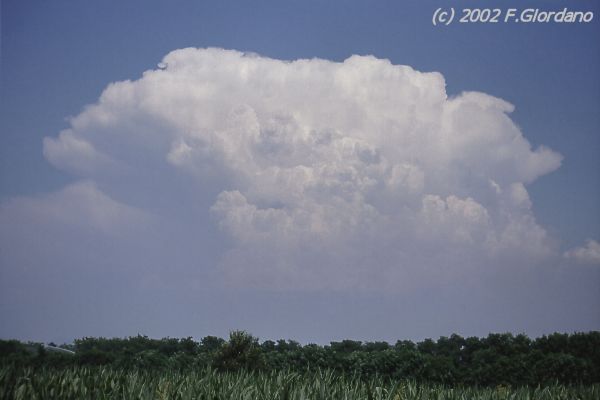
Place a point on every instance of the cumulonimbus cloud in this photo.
(323, 174)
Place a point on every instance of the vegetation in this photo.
(107, 383)
(557, 366)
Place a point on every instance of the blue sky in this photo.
(58, 57)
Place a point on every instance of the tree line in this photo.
(498, 359)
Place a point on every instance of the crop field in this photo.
(109, 383)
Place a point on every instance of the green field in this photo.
(109, 383)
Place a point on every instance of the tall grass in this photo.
(106, 383)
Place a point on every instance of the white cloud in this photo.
(323, 174)
(74, 154)
(81, 205)
(587, 254)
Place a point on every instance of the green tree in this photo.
(242, 351)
